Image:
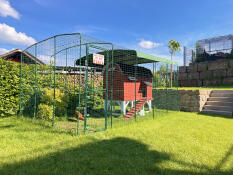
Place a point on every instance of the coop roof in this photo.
(129, 57)
(131, 70)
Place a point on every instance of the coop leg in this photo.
(149, 104)
(123, 107)
(132, 104)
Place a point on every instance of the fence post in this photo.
(184, 56)
(54, 82)
(35, 89)
(21, 74)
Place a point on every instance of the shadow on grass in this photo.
(216, 115)
(115, 156)
(7, 126)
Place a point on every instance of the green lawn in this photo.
(178, 143)
(230, 87)
(225, 87)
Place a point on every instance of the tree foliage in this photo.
(173, 46)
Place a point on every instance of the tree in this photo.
(173, 46)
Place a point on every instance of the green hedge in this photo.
(66, 99)
(9, 87)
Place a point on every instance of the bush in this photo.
(61, 100)
(45, 112)
(9, 88)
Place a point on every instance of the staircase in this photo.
(139, 105)
(220, 102)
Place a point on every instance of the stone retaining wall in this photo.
(210, 73)
(188, 100)
(193, 100)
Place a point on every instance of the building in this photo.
(15, 55)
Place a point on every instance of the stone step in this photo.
(223, 91)
(214, 94)
(225, 113)
(221, 99)
(219, 103)
(219, 108)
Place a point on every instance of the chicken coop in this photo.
(87, 85)
(127, 89)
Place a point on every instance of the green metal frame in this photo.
(113, 54)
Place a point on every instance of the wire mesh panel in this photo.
(189, 55)
(96, 87)
(165, 91)
(210, 49)
(84, 85)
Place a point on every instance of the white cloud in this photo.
(45, 58)
(3, 51)
(10, 36)
(7, 10)
(89, 29)
(146, 44)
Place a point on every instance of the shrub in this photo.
(45, 112)
(61, 100)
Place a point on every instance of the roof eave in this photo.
(153, 58)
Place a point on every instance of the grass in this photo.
(230, 87)
(178, 143)
(224, 87)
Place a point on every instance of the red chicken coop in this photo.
(130, 84)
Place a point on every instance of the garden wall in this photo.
(184, 100)
(211, 73)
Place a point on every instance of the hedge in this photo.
(66, 99)
(9, 87)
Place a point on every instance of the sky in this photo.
(146, 25)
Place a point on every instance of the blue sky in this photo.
(143, 25)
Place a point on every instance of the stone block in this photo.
(202, 67)
(218, 74)
(227, 81)
(188, 83)
(181, 83)
(215, 82)
(183, 69)
(193, 76)
(216, 65)
(230, 72)
(230, 63)
(206, 83)
(185, 83)
(193, 83)
(206, 75)
(192, 67)
(183, 76)
(199, 83)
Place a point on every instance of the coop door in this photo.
(144, 92)
(96, 88)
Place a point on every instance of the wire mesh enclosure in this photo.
(210, 49)
(85, 85)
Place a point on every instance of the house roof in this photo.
(27, 57)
